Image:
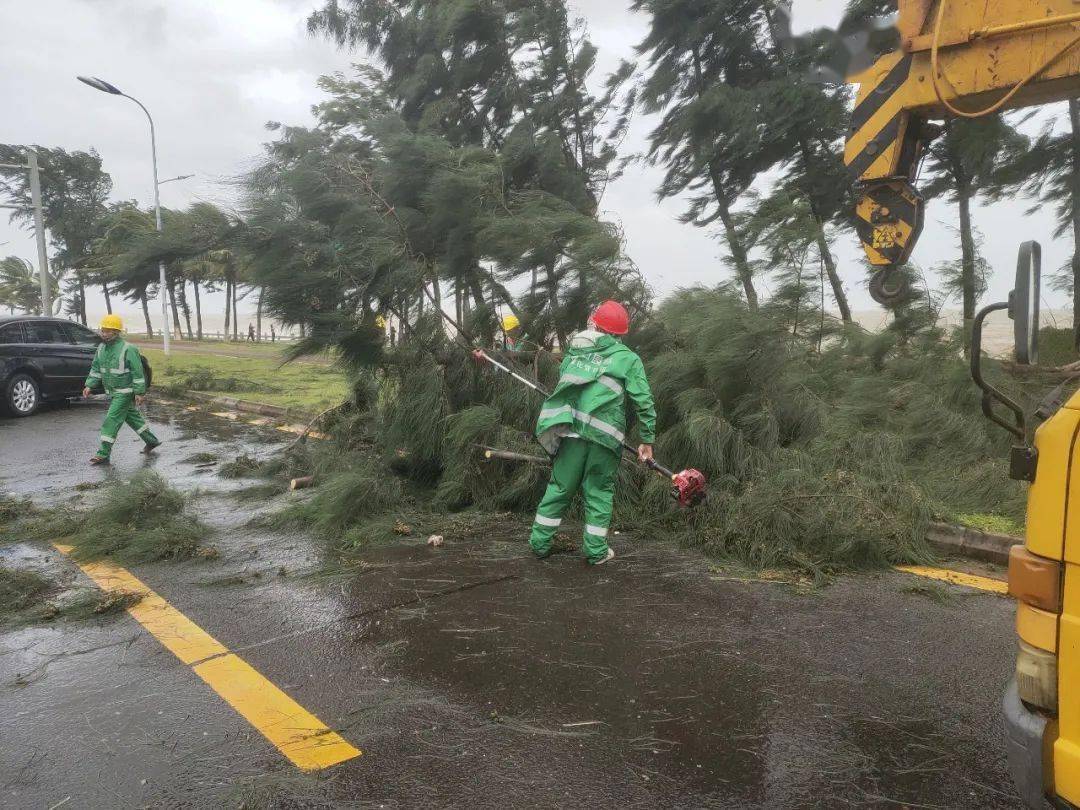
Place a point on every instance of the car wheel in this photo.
(22, 396)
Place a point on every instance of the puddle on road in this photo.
(50, 450)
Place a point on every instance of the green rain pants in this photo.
(592, 467)
(121, 410)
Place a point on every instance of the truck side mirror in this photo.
(1023, 308)
(1024, 304)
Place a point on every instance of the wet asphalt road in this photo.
(474, 675)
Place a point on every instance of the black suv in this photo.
(42, 359)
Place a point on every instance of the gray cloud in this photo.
(214, 72)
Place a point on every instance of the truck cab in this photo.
(1041, 706)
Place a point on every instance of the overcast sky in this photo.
(213, 72)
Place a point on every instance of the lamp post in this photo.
(32, 167)
(105, 87)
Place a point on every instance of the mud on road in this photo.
(475, 675)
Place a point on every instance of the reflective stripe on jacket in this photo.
(596, 376)
(117, 368)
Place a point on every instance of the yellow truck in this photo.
(1041, 706)
(966, 59)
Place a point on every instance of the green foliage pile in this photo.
(205, 379)
(358, 490)
(819, 458)
(243, 466)
(21, 589)
(1056, 347)
(142, 521)
(12, 510)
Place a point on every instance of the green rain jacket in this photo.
(118, 368)
(589, 401)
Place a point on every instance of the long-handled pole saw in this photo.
(687, 486)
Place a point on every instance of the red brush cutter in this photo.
(687, 487)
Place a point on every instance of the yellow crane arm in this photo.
(958, 58)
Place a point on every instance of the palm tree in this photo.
(20, 287)
(125, 226)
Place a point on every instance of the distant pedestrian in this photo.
(273, 334)
(251, 332)
(118, 368)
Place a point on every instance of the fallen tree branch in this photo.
(1064, 371)
(507, 455)
(312, 423)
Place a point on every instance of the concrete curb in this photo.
(968, 542)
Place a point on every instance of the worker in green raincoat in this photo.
(583, 425)
(514, 337)
(118, 368)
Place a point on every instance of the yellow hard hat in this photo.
(112, 322)
(510, 322)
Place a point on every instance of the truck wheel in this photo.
(22, 395)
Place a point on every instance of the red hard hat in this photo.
(612, 317)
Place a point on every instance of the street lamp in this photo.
(105, 87)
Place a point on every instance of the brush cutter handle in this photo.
(652, 464)
(480, 354)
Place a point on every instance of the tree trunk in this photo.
(458, 314)
(834, 278)
(738, 250)
(171, 292)
(1074, 182)
(553, 301)
(967, 251)
(258, 316)
(108, 300)
(235, 317)
(184, 306)
(735, 244)
(198, 309)
(82, 298)
(146, 313)
(477, 289)
(228, 309)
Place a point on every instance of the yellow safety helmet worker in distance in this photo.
(111, 321)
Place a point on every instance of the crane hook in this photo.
(889, 287)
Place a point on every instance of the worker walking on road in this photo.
(118, 368)
(583, 425)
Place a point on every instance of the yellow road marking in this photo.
(957, 578)
(308, 743)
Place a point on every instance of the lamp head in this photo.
(100, 84)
